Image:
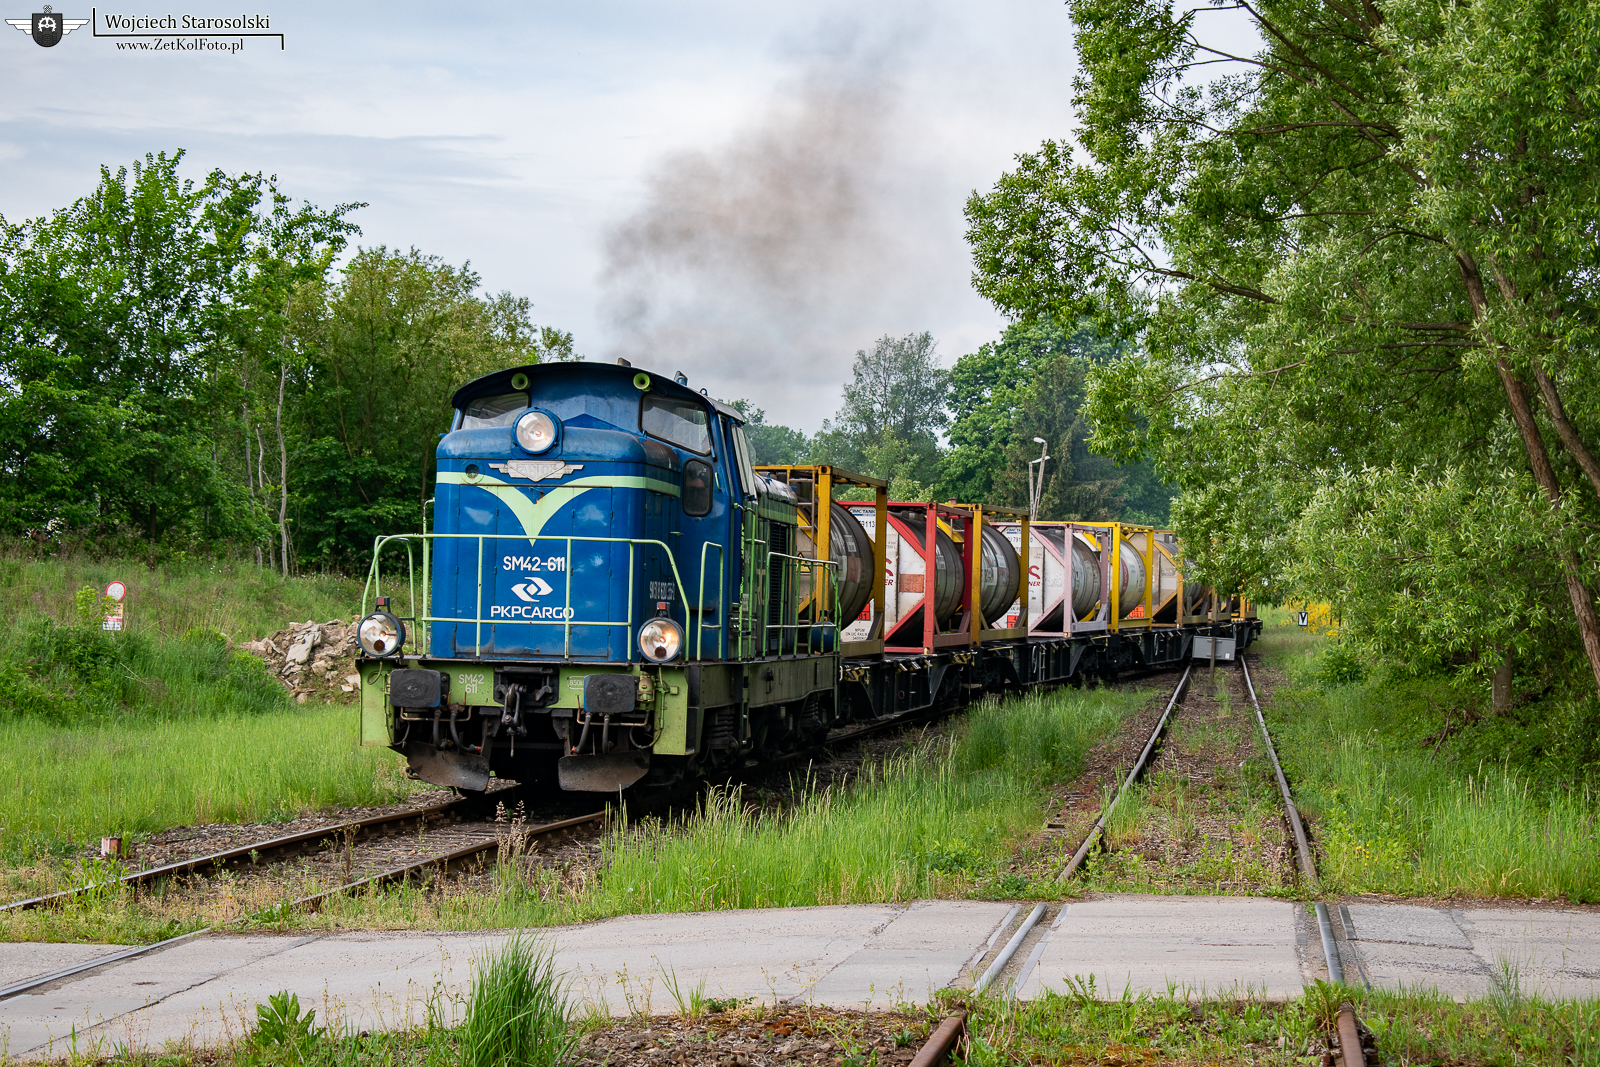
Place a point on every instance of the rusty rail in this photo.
(937, 1048)
(1138, 768)
(251, 851)
(386, 877)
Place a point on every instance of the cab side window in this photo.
(696, 488)
(679, 422)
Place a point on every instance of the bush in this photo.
(1338, 665)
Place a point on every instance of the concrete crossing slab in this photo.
(20, 962)
(204, 991)
(1189, 944)
(1474, 951)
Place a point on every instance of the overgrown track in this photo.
(1150, 745)
(515, 838)
(1304, 856)
(1308, 866)
(269, 850)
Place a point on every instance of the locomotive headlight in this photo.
(660, 640)
(381, 634)
(536, 431)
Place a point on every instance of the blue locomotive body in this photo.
(612, 595)
(555, 554)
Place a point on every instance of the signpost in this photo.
(117, 593)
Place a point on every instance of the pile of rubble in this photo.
(313, 660)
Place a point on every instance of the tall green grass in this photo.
(236, 599)
(63, 786)
(1397, 809)
(937, 816)
(517, 1010)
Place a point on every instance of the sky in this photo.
(747, 192)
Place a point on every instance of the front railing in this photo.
(797, 630)
(422, 617)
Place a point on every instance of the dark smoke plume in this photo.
(760, 266)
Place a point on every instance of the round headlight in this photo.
(536, 431)
(660, 640)
(381, 634)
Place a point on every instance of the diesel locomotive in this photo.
(614, 597)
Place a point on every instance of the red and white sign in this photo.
(117, 592)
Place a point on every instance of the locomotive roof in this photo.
(500, 381)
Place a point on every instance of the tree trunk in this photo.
(249, 468)
(261, 476)
(1545, 475)
(1500, 690)
(283, 477)
(1564, 428)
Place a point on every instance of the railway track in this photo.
(454, 855)
(270, 849)
(1305, 858)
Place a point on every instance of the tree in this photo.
(769, 443)
(1364, 256)
(893, 413)
(385, 348)
(1031, 384)
(125, 320)
(179, 363)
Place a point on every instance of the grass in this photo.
(933, 822)
(1400, 805)
(1085, 1025)
(937, 820)
(517, 1011)
(236, 599)
(164, 724)
(64, 787)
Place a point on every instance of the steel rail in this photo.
(30, 984)
(1302, 845)
(232, 855)
(442, 861)
(1149, 746)
(1010, 950)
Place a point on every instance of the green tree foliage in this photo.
(1358, 265)
(181, 360)
(385, 347)
(892, 416)
(122, 319)
(1032, 384)
(770, 443)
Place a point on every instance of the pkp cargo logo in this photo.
(47, 27)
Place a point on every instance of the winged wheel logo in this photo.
(47, 27)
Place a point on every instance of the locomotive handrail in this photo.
(791, 570)
(374, 584)
(722, 567)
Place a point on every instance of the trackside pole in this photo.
(1213, 677)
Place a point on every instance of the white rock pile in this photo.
(313, 659)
